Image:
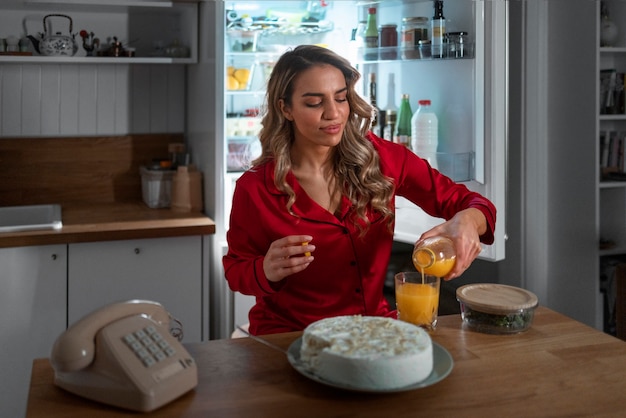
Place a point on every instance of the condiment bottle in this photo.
(434, 256)
(371, 35)
(372, 93)
(438, 30)
(403, 125)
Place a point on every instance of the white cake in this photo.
(367, 352)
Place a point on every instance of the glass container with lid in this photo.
(414, 29)
(496, 308)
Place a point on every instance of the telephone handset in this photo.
(124, 355)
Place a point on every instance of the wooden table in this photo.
(559, 367)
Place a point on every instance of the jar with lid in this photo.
(435, 256)
(414, 29)
(388, 42)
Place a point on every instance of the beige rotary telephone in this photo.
(124, 355)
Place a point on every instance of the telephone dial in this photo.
(124, 355)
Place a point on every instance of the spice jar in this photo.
(414, 29)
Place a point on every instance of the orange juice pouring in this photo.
(417, 298)
(435, 256)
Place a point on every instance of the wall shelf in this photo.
(148, 26)
(93, 60)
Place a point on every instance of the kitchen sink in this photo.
(30, 218)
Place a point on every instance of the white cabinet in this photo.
(165, 270)
(33, 283)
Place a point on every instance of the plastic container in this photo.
(435, 256)
(239, 76)
(156, 187)
(425, 133)
(496, 308)
(240, 40)
(241, 152)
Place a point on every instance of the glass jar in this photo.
(458, 45)
(389, 42)
(414, 29)
(424, 49)
(435, 256)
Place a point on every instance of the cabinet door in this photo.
(33, 283)
(165, 270)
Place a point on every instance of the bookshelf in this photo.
(611, 137)
(611, 134)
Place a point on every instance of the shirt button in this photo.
(357, 290)
(353, 263)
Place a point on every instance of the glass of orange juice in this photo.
(417, 298)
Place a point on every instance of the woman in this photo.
(311, 225)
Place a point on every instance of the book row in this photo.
(612, 151)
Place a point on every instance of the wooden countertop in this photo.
(559, 367)
(113, 221)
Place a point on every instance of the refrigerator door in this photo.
(475, 90)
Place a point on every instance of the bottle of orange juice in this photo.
(434, 256)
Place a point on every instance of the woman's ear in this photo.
(285, 110)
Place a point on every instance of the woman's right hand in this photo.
(286, 256)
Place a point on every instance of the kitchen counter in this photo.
(559, 367)
(97, 182)
(113, 221)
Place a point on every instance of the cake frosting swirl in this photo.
(367, 352)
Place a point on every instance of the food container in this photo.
(239, 76)
(241, 152)
(156, 187)
(241, 40)
(495, 308)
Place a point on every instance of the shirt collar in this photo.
(304, 206)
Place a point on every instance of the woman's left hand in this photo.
(464, 229)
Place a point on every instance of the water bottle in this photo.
(424, 133)
(434, 256)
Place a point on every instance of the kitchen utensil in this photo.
(56, 44)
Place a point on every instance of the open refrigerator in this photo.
(468, 93)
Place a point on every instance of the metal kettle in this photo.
(56, 44)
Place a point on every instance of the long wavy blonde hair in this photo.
(355, 163)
